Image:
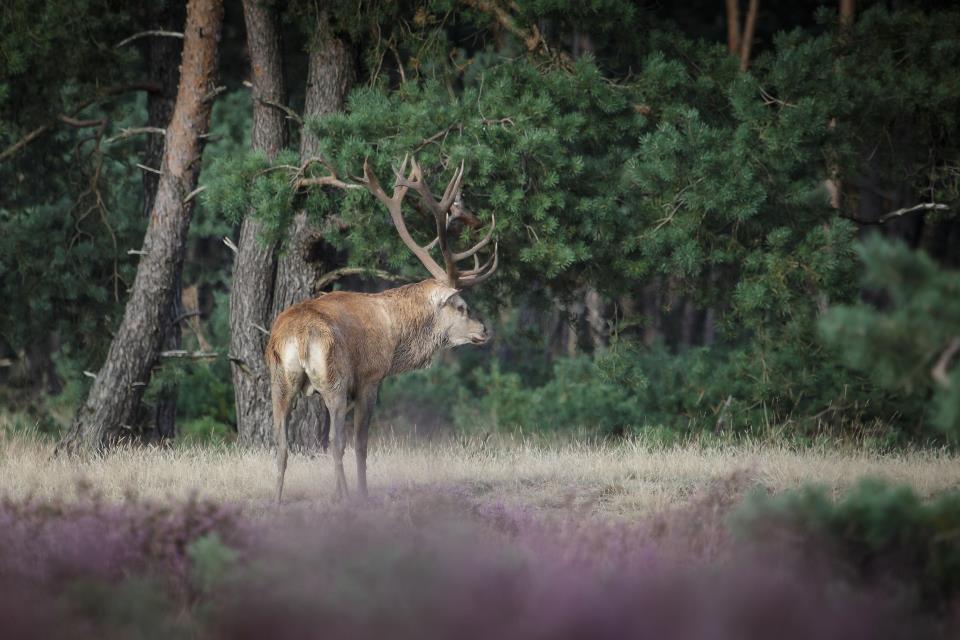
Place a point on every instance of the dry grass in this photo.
(627, 479)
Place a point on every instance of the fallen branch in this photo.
(939, 371)
(144, 34)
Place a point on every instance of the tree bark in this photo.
(733, 26)
(251, 293)
(329, 76)
(848, 10)
(162, 56)
(749, 27)
(118, 388)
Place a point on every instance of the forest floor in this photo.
(619, 480)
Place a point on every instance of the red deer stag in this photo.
(343, 344)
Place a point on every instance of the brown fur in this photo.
(343, 344)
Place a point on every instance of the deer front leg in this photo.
(362, 411)
(337, 407)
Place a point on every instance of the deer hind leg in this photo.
(366, 398)
(284, 387)
(337, 406)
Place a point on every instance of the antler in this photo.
(444, 212)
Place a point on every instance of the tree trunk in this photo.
(848, 10)
(329, 76)
(115, 395)
(162, 56)
(251, 293)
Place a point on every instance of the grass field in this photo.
(505, 538)
(627, 479)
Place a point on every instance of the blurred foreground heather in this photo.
(443, 563)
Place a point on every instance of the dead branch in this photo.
(939, 371)
(329, 180)
(150, 169)
(24, 141)
(213, 93)
(291, 114)
(332, 276)
(150, 87)
(186, 315)
(194, 193)
(189, 355)
(80, 124)
(144, 34)
(531, 39)
(135, 131)
(443, 133)
(496, 121)
(926, 206)
(230, 244)
(240, 364)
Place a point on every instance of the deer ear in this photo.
(447, 296)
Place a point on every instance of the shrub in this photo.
(880, 533)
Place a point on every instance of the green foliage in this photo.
(636, 164)
(137, 607)
(884, 534)
(210, 561)
(576, 398)
(898, 342)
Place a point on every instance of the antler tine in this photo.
(473, 280)
(477, 269)
(453, 187)
(400, 181)
(480, 245)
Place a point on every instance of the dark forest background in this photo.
(713, 217)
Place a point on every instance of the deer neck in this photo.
(417, 338)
